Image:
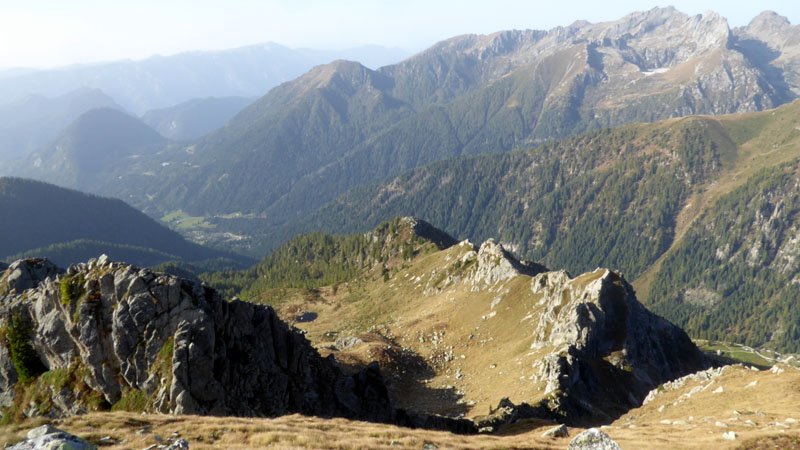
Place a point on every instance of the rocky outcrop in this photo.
(606, 351)
(428, 232)
(25, 274)
(133, 337)
(495, 264)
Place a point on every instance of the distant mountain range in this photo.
(34, 121)
(67, 226)
(195, 118)
(342, 125)
(163, 81)
(82, 153)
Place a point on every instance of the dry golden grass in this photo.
(463, 354)
(771, 401)
(768, 404)
(288, 432)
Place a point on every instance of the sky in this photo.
(52, 33)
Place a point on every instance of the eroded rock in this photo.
(608, 348)
(124, 330)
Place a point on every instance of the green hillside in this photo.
(83, 154)
(313, 260)
(660, 202)
(68, 226)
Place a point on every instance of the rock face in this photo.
(607, 351)
(125, 333)
(25, 274)
(495, 264)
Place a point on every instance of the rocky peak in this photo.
(768, 22)
(597, 331)
(776, 31)
(663, 37)
(495, 264)
(405, 233)
(428, 232)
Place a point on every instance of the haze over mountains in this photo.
(164, 81)
(194, 118)
(342, 125)
(34, 121)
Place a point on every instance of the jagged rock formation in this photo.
(495, 264)
(771, 42)
(603, 351)
(131, 333)
(577, 350)
(427, 231)
(607, 349)
(26, 274)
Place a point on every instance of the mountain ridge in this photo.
(164, 81)
(342, 125)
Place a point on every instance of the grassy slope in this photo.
(444, 345)
(624, 199)
(763, 139)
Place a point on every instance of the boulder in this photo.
(48, 437)
(593, 439)
(347, 342)
(559, 431)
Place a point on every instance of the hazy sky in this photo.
(48, 33)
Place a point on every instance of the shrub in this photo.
(26, 361)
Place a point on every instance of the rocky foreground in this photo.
(105, 335)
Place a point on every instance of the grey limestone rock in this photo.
(593, 439)
(606, 351)
(179, 444)
(188, 350)
(347, 342)
(495, 264)
(559, 431)
(48, 437)
(26, 273)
